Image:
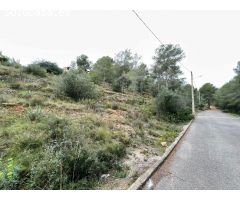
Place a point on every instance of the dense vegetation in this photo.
(228, 96)
(66, 130)
(208, 91)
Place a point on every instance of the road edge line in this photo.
(147, 174)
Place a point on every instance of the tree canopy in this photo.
(208, 91)
(228, 96)
(83, 63)
(50, 67)
(104, 69)
(166, 69)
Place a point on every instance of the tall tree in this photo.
(83, 63)
(126, 61)
(139, 78)
(208, 91)
(104, 69)
(166, 69)
(228, 96)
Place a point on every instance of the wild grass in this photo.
(58, 142)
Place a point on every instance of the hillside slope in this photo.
(118, 131)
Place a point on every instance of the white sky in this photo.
(210, 39)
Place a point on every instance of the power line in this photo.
(147, 26)
(192, 87)
(154, 34)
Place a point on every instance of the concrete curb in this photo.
(146, 175)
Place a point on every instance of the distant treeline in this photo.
(126, 72)
(228, 96)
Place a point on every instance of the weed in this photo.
(102, 134)
(37, 101)
(34, 114)
(167, 137)
(25, 94)
(58, 128)
(29, 141)
(9, 173)
(122, 172)
(90, 103)
(111, 153)
(122, 137)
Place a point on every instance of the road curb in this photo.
(146, 175)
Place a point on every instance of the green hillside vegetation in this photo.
(70, 130)
(228, 96)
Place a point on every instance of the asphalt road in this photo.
(208, 157)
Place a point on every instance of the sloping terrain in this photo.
(28, 105)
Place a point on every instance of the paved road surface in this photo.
(208, 157)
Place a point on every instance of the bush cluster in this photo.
(50, 67)
(35, 69)
(76, 86)
(228, 96)
(60, 157)
(172, 107)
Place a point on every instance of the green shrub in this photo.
(122, 137)
(168, 137)
(90, 103)
(172, 107)
(111, 153)
(58, 155)
(228, 96)
(9, 174)
(46, 173)
(102, 134)
(37, 101)
(122, 173)
(76, 86)
(25, 94)
(121, 83)
(35, 70)
(29, 141)
(15, 85)
(58, 128)
(34, 114)
(49, 67)
(65, 166)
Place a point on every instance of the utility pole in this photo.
(193, 104)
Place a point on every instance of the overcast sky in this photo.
(210, 39)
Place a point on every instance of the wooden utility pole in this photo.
(193, 104)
